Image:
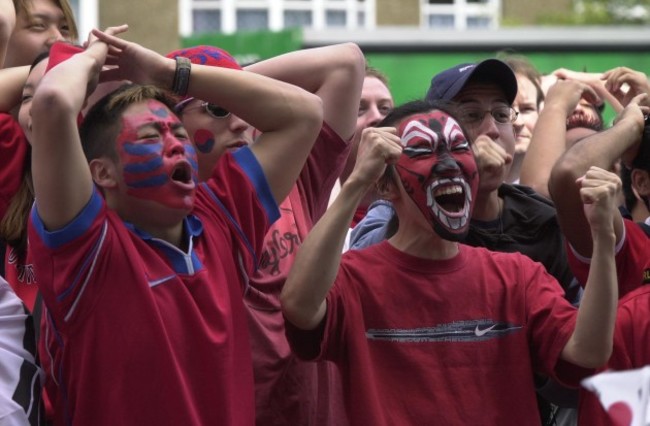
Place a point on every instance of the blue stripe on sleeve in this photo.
(249, 164)
(74, 229)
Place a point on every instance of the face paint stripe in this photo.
(148, 183)
(142, 149)
(146, 167)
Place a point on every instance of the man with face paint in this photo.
(423, 326)
(143, 283)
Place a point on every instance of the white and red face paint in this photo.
(437, 166)
(158, 159)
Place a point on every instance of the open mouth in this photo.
(449, 200)
(182, 173)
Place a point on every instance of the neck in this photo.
(487, 207)
(424, 243)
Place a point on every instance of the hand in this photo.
(130, 61)
(595, 81)
(636, 81)
(378, 147)
(566, 94)
(491, 159)
(599, 192)
(98, 50)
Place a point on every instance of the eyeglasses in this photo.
(473, 115)
(213, 110)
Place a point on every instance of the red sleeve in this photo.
(324, 165)
(13, 156)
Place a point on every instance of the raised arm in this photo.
(591, 343)
(549, 137)
(602, 150)
(317, 262)
(334, 73)
(617, 79)
(288, 116)
(7, 24)
(62, 180)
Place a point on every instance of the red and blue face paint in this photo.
(158, 159)
(438, 171)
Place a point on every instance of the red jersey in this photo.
(13, 153)
(449, 342)
(631, 351)
(632, 260)
(142, 333)
(290, 391)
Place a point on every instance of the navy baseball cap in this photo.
(448, 83)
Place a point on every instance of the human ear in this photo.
(104, 172)
(641, 182)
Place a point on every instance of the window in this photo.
(206, 21)
(441, 21)
(297, 18)
(335, 18)
(252, 19)
(478, 22)
(234, 15)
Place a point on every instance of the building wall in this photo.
(527, 12)
(398, 13)
(152, 23)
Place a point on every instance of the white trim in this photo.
(185, 18)
(88, 18)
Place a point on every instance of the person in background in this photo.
(38, 24)
(528, 102)
(288, 391)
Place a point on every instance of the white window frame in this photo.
(276, 9)
(461, 10)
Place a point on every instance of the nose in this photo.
(446, 164)
(173, 146)
(237, 125)
(488, 127)
(53, 35)
(373, 116)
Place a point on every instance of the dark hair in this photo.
(39, 58)
(102, 124)
(642, 159)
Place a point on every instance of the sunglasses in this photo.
(213, 110)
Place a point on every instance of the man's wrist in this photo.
(181, 76)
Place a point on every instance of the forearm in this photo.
(12, 81)
(318, 260)
(591, 343)
(62, 181)
(7, 24)
(308, 68)
(546, 146)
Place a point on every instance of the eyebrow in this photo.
(48, 16)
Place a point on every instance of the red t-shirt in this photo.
(290, 391)
(448, 342)
(141, 333)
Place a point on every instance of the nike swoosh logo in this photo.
(480, 333)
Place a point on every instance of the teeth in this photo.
(449, 190)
